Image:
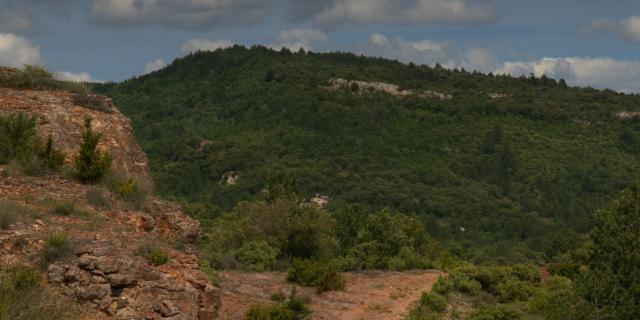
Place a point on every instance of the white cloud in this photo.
(194, 45)
(600, 73)
(75, 77)
(154, 66)
(628, 28)
(16, 51)
(183, 14)
(406, 12)
(300, 38)
(421, 52)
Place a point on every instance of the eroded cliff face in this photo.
(108, 269)
(59, 116)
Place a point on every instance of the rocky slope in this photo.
(108, 270)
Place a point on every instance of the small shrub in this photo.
(17, 136)
(64, 208)
(292, 307)
(96, 198)
(514, 290)
(463, 283)
(91, 163)
(11, 212)
(22, 297)
(211, 273)
(132, 191)
(257, 256)
(8, 214)
(433, 302)
(323, 275)
(51, 158)
(269, 312)
(496, 312)
(443, 286)
(57, 246)
(24, 277)
(157, 257)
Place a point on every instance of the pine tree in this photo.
(612, 282)
(90, 162)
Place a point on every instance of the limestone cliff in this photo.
(109, 270)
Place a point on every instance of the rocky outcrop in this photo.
(62, 118)
(126, 287)
(362, 87)
(108, 269)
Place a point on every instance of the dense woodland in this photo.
(513, 179)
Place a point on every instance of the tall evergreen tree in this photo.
(90, 162)
(612, 283)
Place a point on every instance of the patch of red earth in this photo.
(371, 295)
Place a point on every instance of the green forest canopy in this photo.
(515, 178)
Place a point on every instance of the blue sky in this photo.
(586, 42)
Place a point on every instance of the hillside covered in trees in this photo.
(497, 169)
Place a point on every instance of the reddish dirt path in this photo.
(371, 295)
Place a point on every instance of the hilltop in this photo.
(496, 168)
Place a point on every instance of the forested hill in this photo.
(498, 168)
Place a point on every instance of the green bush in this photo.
(22, 297)
(24, 277)
(292, 307)
(430, 307)
(433, 302)
(156, 256)
(560, 301)
(17, 136)
(257, 256)
(514, 290)
(57, 246)
(8, 214)
(52, 158)
(496, 312)
(465, 284)
(12, 212)
(97, 198)
(91, 163)
(443, 286)
(131, 191)
(66, 208)
(37, 77)
(269, 312)
(324, 276)
(19, 142)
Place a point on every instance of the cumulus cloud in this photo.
(154, 66)
(75, 77)
(628, 28)
(183, 14)
(430, 52)
(194, 45)
(600, 73)
(596, 72)
(16, 51)
(307, 39)
(336, 12)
